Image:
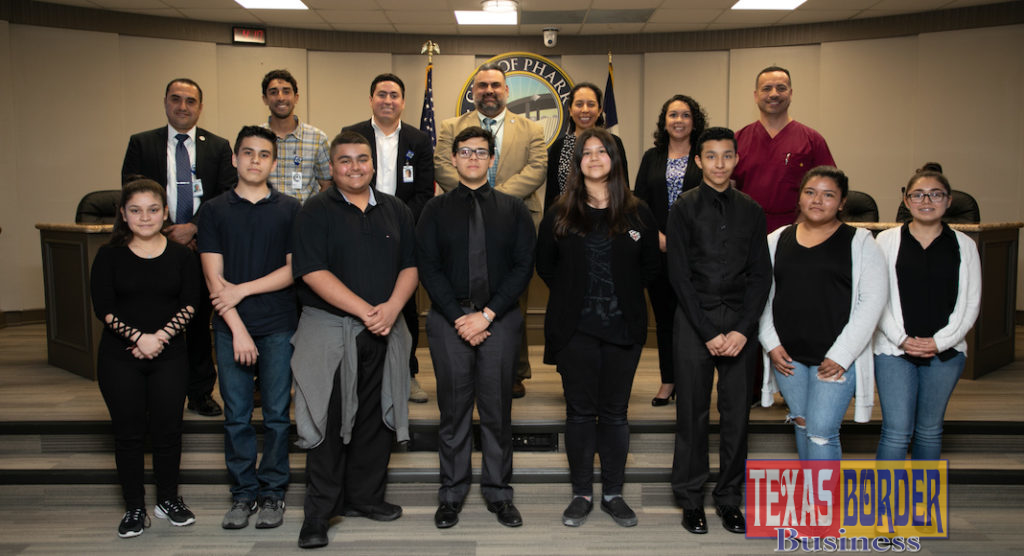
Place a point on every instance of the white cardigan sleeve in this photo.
(869, 299)
(968, 301)
(890, 325)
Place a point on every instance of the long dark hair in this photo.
(122, 234)
(571, 208)
(693, 177)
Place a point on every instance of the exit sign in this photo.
(249, 35)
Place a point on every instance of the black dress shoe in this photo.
(658, 402)
(378, 512)
(506, 512)
(732, 519)
(518, 390)
(313, 533)
(204, 405)
(447, 515)
(695, 522)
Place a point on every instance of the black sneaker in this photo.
(577, 512)
(175, 511)
(133, 523)
(620, 511)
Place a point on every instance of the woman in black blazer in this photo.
(665, 172)
(585, 112)
(597, 249)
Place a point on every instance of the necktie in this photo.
(183, 175)
(492, 172)
(479, 287)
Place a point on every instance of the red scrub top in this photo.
(770, 170)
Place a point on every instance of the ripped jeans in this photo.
(822, 404)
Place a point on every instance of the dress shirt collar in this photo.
(711, 193)
(272, 196)
(378, 129)
(297, 132)
(499, 119)
(484, 190)
(171, 134)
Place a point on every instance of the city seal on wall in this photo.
(537, 89)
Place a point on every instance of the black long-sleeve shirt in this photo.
(442, 249)
(718, 255)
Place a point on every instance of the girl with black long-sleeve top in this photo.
(597, 249)
(145, 290)
(666, 171)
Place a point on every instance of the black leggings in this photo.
(140, 395)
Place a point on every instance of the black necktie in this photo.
(479, 288)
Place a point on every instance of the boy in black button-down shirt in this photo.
(718, 264)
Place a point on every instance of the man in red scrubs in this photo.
(776, 151)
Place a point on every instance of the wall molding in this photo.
(28, 12)
(22, 317)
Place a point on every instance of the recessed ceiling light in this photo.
(767, 4)
(272, 4)
(494, 12)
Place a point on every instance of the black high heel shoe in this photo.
(658, 402)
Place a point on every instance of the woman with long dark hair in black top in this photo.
(145, 290)
(666, 171)
(597, 249)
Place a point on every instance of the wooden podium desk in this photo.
(72, 331)
(990, 343)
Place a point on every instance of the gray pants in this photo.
(483, 374)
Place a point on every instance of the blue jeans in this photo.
(822, 404)
(236, 389)
(914, 400)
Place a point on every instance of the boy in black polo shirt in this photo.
(355, 266)
(245, 248)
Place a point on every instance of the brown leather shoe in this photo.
(518, 390)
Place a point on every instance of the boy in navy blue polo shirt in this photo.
(245, 247)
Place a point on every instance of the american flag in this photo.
(427, 114)
(611, 116)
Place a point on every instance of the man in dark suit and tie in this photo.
(195, 166)
(404, 167)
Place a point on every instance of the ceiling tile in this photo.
(364, 27)
(911, 5)
(227, 16)
(563, 29)
(221, 4)
(353, 16)
(426, 17)
(158, 12)
(551, 17)
(618, 16)
(625, 4)
(838, 5)
(77, 3)
(611, 28)
(287, 18)
(131, 4)
(538, 5)
(966, 3)
(673, 27)
(410, 5)
(684, 16)
(750, 18)
(699, 4)
(335, 4)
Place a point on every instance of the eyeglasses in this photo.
(935, 196)
(466, 152)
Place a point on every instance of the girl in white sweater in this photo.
(934, 296)
(828, 291)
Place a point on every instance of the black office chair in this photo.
(98, 207)
(962, 210)
(859, 207)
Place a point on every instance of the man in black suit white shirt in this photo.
(204, 159)
(403, 160)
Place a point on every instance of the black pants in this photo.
(141, 395)
(663, 302)
(597, 378)
(354, 474)
(201, 372)
(483, 374)
(695, 373)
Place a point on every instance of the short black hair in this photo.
(715, 134)
(282, 74)
(387, 77)
(830, 172)
(186, 81)
(348, 138)
(256, 131)
(489, 66)
(771, 69)
(471, 132)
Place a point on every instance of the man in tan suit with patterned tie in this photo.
(520, 162)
